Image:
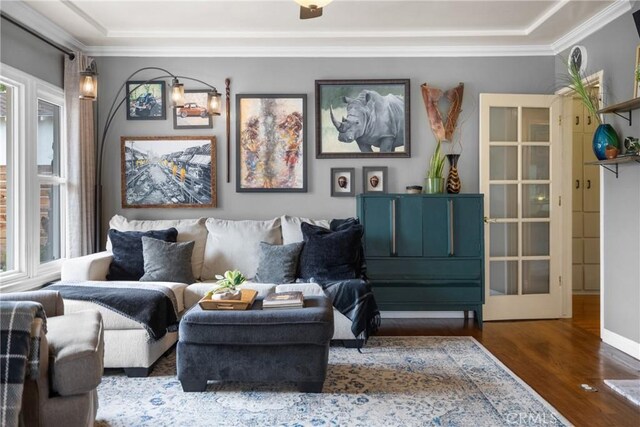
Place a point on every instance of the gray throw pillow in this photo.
(278, 263)
(167, 262)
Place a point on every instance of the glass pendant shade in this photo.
(177, 94)
(213, 103)
(312, 4)
(88, 86)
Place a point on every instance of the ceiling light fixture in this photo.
(311, 8)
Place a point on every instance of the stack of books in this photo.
(283, 300)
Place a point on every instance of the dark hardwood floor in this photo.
(554, 357)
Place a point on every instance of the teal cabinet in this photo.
(425, 252)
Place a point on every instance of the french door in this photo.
(520, 170)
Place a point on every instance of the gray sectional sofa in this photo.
(220, 245)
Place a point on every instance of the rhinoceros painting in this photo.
(362, 118)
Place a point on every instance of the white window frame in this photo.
(22, 149)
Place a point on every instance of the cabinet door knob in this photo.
(588, 184)
(577, 120)
(589, 120)
(577, 183)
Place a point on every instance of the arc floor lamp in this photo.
(89, 91)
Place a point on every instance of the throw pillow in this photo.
(278, 263)
(343, 224)
(128, 261)
(330, 255)
(166, 261)
(291, 232)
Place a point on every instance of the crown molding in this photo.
(591, 25)
(25, 14)
(322, 51)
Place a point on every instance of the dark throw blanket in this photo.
(354, 298)
(20, 351)
(152, 308)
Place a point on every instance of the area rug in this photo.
(395, 381)
(627, 388)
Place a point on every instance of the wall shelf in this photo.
(612, 164)
(622, 107)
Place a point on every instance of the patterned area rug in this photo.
(627, 388)
(396, 381)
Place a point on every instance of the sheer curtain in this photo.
(81, 164)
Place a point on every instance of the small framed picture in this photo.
(193, 115)
(342, 182)
(374, 179)
(146, 100)
(636, 74)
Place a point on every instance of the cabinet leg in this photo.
(478, 313)
(466, 314)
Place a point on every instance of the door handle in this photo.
(452, 250)
(588, 184)
(488, 220)
(577, 183)
(577, 120)
(393, 228)
(589, 120)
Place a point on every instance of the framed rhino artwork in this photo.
(362, 118)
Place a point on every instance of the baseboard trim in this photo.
(424, 314)
(623, 344)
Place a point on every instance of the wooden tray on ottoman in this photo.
(247, 297)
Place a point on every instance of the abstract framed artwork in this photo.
(374, 179)
(146, 100)
(168, 172)
(636, 75)
(343, 182)
(193, 115)
(271, 143)
(363, 118)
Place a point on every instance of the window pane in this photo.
(503, 124)
(535, 162)
(6, 220)
(48, 138)
(535, 124)
(504, 278)
(504, 163)
(49, 222)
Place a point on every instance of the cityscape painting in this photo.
(271, 143)
(168, 172)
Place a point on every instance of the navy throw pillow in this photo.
(128, 260)
(330, 255)
(343, 224)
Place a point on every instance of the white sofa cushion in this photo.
(291, 232)
(188, 230)
(235, 245)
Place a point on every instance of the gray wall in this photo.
(27, 53)
(289, 75)
(612, 49)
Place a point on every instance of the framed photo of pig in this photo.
(362, 118)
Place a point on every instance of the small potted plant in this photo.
(434, 182)
(227, 286)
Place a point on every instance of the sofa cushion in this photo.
(188, 230)
(278, 263)
(291, 232)
(76, 352)
(235, 245)
(194, 293)
(128, 260)
(166, 261)
(330, 255)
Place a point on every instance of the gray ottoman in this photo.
(289, 345)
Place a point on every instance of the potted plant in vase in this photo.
(226, 286)
(434, 182)
(605, 134)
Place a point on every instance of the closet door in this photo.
(378, 230)
(466, 226)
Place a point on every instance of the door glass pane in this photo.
(6, 217)
(504, 239)
(535, 238)
(535, 124)
(504, 200)
(48, 138)
(504, 278)
(504, 124)
(535, 162)
(535, 203)
(504, 163)
(49, 222)
(535, 277)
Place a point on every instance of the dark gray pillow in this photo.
(278, 263)
(167, 262)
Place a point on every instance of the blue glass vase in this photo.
(605, 135)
